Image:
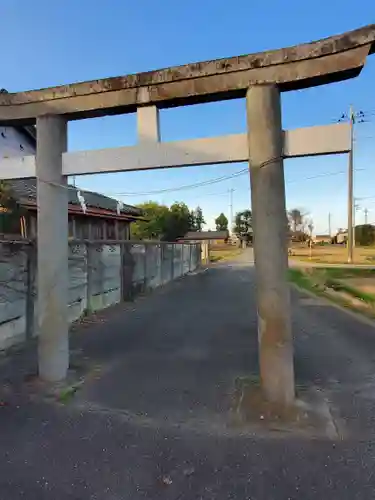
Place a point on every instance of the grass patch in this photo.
(354, 292)
(303, 280)
(67, 393)
(330, 282)
(342, 272)
(224, 254)
(332, 254)
(334, 278)
(215, 258)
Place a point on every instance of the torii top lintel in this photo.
(329, 60)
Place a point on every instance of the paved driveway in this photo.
(153, 418)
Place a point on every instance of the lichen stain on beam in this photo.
(324, 61)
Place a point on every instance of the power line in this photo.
(222, 179)
(355, 116)
(364, 198)
(360, 117)
(318, 176)
(186, 186)
(361, 138)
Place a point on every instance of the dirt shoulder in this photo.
(352, 288)
(331, 254)
(225, 254)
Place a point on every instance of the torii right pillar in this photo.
(265, 140)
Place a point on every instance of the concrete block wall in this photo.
(105, 276)
(77, 295)
(95, 279)
(13, 293)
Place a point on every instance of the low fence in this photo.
(101, 274)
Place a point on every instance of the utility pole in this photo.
(231, 210)
(350, 188)
(366, 215)
(311, 228)
(356, 208)
(329, 224)
(354, 118)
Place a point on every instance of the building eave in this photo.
(90, 212)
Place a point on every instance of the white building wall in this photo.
(14, 143)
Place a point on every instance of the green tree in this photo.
(297, 225)
(163, 223)
(154, 225)
(221, 223)
(243, 225)
(178, 221)
(198, 219)
(365, 234)
(295, 219)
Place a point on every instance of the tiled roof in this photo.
(25, 190)
(206, 235)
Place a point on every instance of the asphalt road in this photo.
(153, 419)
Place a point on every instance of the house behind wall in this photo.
(100, 220)
(212, 238)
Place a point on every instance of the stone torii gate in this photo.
(260, 77)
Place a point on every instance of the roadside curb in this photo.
(359, 317)
(199, 271)
(318, 265)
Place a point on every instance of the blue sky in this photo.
(51, 43)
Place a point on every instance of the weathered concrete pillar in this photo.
(265, 139)
(52, 278)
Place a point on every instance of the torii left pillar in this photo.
(53, 347)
